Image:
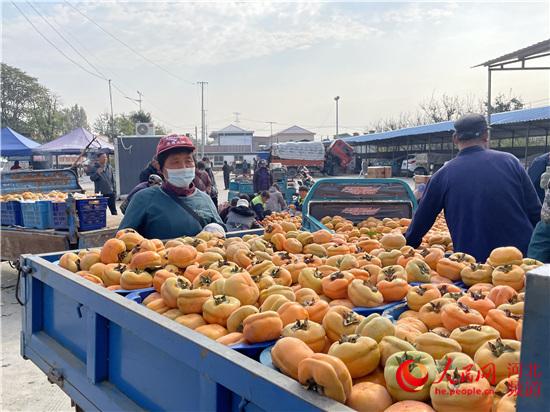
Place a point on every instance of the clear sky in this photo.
(280, 62)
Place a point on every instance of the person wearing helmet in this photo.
(176, 208)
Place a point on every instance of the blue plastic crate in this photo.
(37, 214)
(92, 213)
(234, 186)
(59, 215)
(246, 188)
(11, 213)
(231, 194)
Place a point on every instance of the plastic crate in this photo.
(231, 194)
(11, 213)
(59, 215)
(37, 214)
(92, 213)
(234, 186)
(246, 187)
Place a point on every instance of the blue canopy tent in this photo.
(12, 144)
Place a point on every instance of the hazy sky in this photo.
(281, 62)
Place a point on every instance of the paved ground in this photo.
(24, 386)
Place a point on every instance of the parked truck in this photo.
(423, 163)
(313, 155)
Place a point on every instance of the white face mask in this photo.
(181, 177)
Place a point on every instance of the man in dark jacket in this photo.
(226, 172)
(241, 217)
(486, 195)
(103, 176)
(153, 168)
(535, 171)
(262, 179)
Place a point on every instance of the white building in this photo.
(232, 136)
(293, 134)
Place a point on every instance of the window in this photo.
(218, 160)
(239, 158)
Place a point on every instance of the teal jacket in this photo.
(155, 215)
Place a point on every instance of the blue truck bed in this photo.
(110, 353)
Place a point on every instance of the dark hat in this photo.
(470, 126)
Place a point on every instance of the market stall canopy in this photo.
(73, 143)
(14, 144)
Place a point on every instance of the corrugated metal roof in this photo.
(533, 50)
(516, 116)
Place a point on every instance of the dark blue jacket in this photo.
(537, 168)
(488, 201)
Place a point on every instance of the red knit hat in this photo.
(174, 141)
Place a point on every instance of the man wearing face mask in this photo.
(176, 208)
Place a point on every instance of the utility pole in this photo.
(271, 133)
(139, 99)
(112, 116)
(336, 100)
(203, 136)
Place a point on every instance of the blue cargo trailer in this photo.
(108, 352)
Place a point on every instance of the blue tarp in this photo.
(516, 116)
(13, 144)
(73, 143)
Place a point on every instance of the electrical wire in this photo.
(67, 41)
(113, 84)
(55, 46)
(127, 45)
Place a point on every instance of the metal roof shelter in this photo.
(539, 117)
(523, 133)
(509, 61)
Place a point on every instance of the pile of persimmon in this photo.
(303, 287)
(279, 217)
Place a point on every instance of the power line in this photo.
(115, 86)
(67, 41)
(128, 46)
(54, 45)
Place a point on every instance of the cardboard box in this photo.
(387, 171)
(376, 172)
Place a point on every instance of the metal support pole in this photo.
(203, 135)
(336, 99)
(112, 115)
(546, 142)
(489, 100)
(527, 143)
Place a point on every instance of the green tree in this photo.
(141, 117)
(74, 117)
(505, 103)
(33, 110)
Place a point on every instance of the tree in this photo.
(446, 107)
(140, 117)
(505, 103)
(74, 117)
(34, 110)
(124, 124)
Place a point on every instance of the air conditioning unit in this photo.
(145, 129)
